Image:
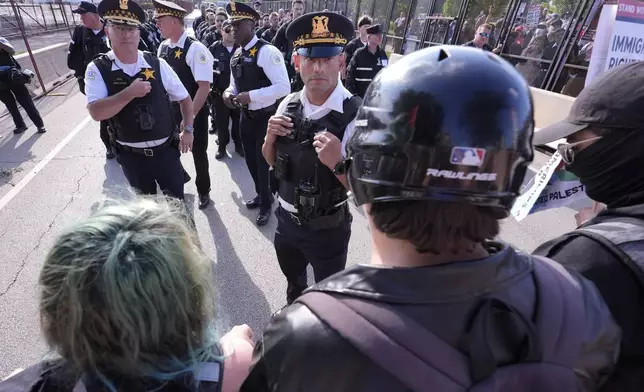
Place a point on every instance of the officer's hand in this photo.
(329, 148)
(278, 126)
(228, 100)
(185, 141)
(240, 332)
(243, 98)
(139, 88)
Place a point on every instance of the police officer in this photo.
(259, 79)
(358, 42)
(222, 52)
(285, 46)
(212, 33)
(88, 41)
(192, 61)
(366, 62)
(132, 90)
(303, 144)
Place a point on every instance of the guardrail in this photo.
(52, 65)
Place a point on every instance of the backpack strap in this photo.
(560, 312)
(623, 237)
(398, 344)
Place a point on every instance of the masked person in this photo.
(303, 145)
(604, 140)
(366, 62)
(259, 79)
(133, 91)
(192, 61)
(443, 306)
(222, 52)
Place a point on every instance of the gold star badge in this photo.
(148, 73)
(253, 51)
(177, 53)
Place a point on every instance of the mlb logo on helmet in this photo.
(469, 156)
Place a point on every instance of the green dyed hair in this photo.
(128, 291)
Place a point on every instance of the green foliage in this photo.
(563, 6)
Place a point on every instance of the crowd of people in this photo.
(127, 297)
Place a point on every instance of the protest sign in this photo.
(533, 15)
(627, 40)
(551, 187)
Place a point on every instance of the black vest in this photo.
(367, 66)
(297, 165)
(93, 45)
(142, 119)
(221, 65)
(176, 57)
(248, 75)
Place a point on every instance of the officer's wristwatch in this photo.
(340, 168)
(188, 128)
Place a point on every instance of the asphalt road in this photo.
(49, 181)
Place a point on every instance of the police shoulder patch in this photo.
(277, 59)
(91, 75)
(201, 58)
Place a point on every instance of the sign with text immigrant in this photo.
(627, 40)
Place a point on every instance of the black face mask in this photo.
(612, 169)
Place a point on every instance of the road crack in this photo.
(23, 262)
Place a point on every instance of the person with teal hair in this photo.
(126, 301)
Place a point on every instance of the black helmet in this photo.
(448, 123)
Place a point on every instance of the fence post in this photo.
(44, 20)
(53, 13)
(24, 37)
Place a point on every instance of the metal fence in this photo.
(558, 63)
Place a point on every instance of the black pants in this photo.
(200, 152)
(224, 114)
(105, 137)
(253, 132)
(298, 246)
(19, 92)
(144, 172)
(213, 111)
(199, 148)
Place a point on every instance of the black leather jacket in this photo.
(300, 353)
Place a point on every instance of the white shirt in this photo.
(96, 89)
(272, 62)
(313, 112)
(199, 58)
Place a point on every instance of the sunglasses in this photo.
(227, 30)
(567, 150)
(485, 35)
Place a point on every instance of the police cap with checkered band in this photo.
(446, 123)
(121, 12)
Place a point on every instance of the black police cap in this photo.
(240, 11)
(123, 12)
(319, 34)
(431, 129)
(375, 29)
(85, 7)
(168, 8)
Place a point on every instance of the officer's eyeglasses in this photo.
(567, 150)
(227, 30)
